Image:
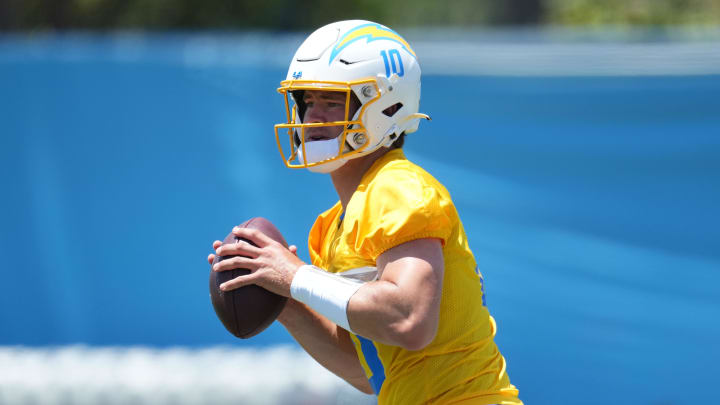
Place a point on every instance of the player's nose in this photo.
(313, 114)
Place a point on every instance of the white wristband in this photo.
(324, 292)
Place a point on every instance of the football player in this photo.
(392, 302)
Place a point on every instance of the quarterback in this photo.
(392, 301)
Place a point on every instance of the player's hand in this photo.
(271, 265)
(215, 245)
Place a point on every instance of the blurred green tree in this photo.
(287, 15)
(632, 12)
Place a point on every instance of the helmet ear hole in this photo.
(390, 111)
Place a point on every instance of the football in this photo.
(248, 310)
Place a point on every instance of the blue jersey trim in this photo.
(373, 361)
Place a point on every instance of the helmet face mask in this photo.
(352, 140)
(367, 63)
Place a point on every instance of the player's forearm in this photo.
(325, 342)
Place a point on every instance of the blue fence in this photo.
(591, 204)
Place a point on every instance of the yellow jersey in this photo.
(397, 202)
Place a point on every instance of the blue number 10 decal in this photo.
(390, 57)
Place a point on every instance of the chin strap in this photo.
(317, 151)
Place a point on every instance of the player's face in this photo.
(325, 106)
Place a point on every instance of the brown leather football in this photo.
(248, 310)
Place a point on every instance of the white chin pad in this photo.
(317, 151)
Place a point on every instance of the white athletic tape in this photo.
(324, 292)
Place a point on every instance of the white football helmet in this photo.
(362, 59)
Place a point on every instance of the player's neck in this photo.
(347, 178)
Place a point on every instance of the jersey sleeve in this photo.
(319, 232)
(401, 208)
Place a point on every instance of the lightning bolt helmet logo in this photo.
(370, 32)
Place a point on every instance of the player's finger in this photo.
(217, 244)
(238, 282)
(237, 262)
(238, 248)
(211, 258)
(254, 235)
(293, 249)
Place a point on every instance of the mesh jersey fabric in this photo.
(397, 202)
